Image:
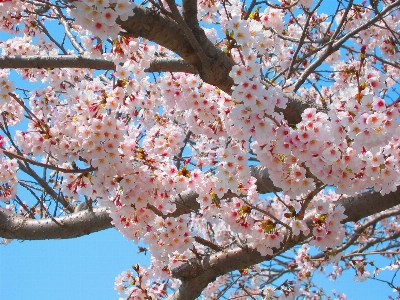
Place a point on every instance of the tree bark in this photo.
(164, 64)
(13, 226)
(164, 31)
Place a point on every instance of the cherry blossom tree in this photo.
(244, 142)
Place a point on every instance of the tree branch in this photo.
(46, 187)
(164, 31)
(164, 64)
(48, 166)
(189, 13)
(67, 29)
(358, 232)
(302, 38)
(170, 64)
(56, 61)
(13, 226)
(205, 61)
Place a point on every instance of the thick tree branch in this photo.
(170, 64)
(264, 183)
(205, 61)
(369, 203)
(189, 13)
(186, 203)
(295, 107)
(13, 226)
(356, 207)
(56, 61)
(164, 31)
(164, 64)
(161, 29)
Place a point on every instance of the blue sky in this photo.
(82, 268)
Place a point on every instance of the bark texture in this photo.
(164, 64)
(166, 32)
(13, 226)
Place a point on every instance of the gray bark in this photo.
(13, 226)
(165, 64)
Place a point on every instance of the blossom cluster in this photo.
(321, 140)
(170, 233)
(99, 17)
(8, 179)
(201, 106)
(132, 57)
(6, 87)
(11, 12)
(327, 229)
(27, 45)
(23, 46)
(138, 286)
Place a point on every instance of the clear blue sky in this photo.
(82, 268)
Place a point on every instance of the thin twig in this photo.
(55, 168)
